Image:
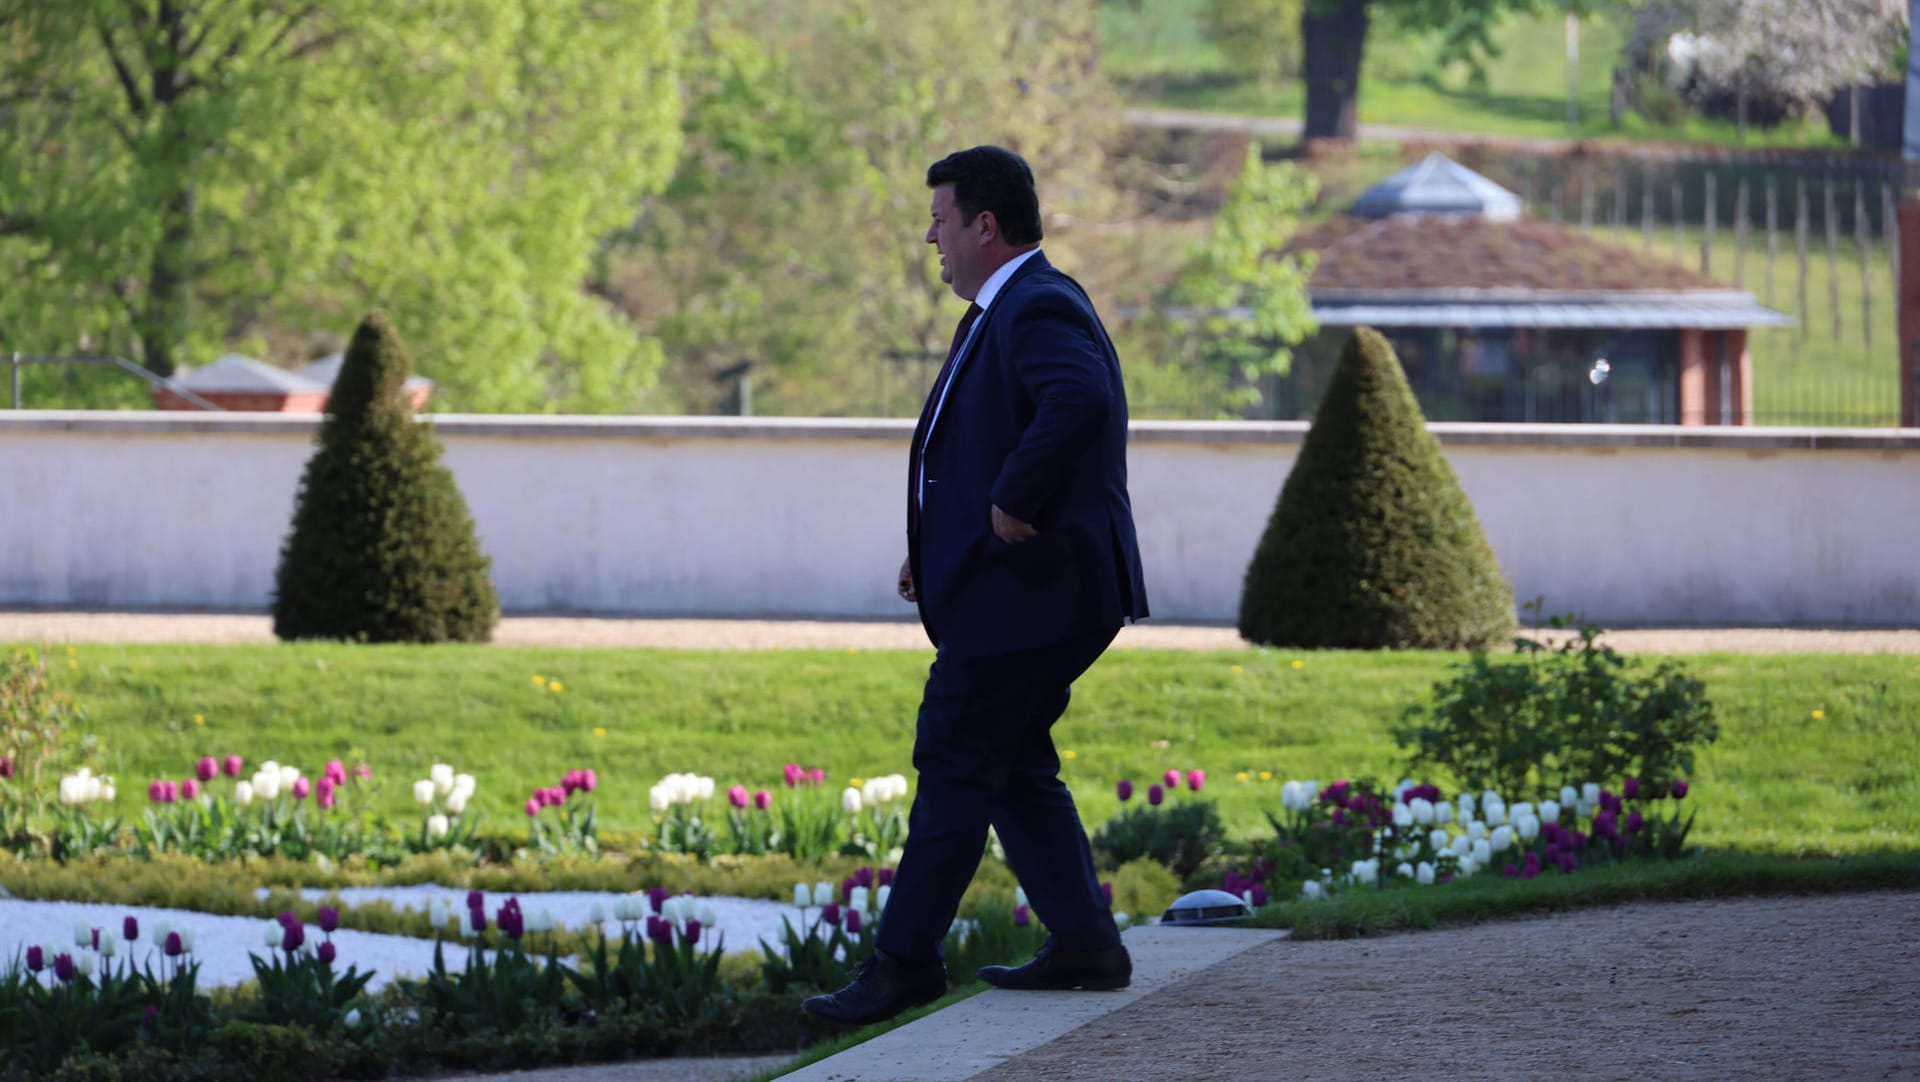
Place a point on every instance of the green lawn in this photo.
(1779, 780)
(1159, 55)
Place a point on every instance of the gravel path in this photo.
(717, 634)
(1815, 988)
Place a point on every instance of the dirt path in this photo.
(717, 634)
(1822, 987)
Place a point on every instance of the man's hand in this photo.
(905, 585)
(1010, 529)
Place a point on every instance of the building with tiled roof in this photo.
(1498, 317)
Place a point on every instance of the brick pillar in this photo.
(1909, 345)
(1695, 378)
(1741, 363)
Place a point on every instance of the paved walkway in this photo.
(733, 634)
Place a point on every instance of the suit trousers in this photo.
(984, 752)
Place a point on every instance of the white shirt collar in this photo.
(998, 279)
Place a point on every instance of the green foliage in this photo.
(1261, 37)
(303, 990)
(42, 1023)
(1372, 544)
(382, 547)
(165, 191)
(501, 993)
(265, 1050)
(1250, 305)
(40, 742)
(1559, 716)
(1143, 887)
(1180, 836)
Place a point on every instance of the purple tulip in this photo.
(327, 952)
(831, 913)
(737, 796)
(1021, 917)
(1510, 871)
(1172, 778)
(206, 768)
(1630, 788)
(63, 966)
(36, 959)
(513, 923)
(1530, 870)
(846, 889)
(1125, 789)
(130, 929)
(762, 799)
(853, 922)
(863, 877)
(174, 946)
(1608, 801)
(96, 939)
(293, 937)
(660, 931)
(6, 766)
(1259, 895)
(886, 877)
(478, 915)
(1568, 863)
(1634, 822)
(793, 774)
(189, 789)
(692, 931)
(1678, 789)
(658, 897)
(1106, 891)
(1230, 884)
(233, 765)
(1155, 795)
(329, 919)
(476, 899)
(156, 792)
(1195, 779)
(301, 787)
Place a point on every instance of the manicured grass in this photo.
(1778, 781)
(1159, 55)
(1486, 897)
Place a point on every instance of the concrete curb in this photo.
(984, 1031)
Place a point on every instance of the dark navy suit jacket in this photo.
(1035, 421)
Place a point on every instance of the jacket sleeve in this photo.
(1060, 360)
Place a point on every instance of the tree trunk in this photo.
(1333, 36)
(166, 315)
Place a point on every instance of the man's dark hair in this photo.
(996, 179)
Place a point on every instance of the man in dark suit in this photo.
(1022, 559)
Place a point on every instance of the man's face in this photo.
(958, 244)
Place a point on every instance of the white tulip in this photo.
(441, 775)
(1568, 796)
(437, 913)
(109, 944)
(1366, 871)
(160, 930)
(269, 767)
(266, 784)
(1476, 831)
(463, 783)
(457, 801)
(857, 899)
(82, 934)
(1405, 870)
(1590, 793)
(1402, 815)
(597, 913)
(70, 787)
(84, 963)
(1519, 811)
(437, 826)
(1549, 811)
(1310, 890)
(1423, 874)
(1462, 846)
(1482, 851)
(1491, 796)
(822, 893)
(467, 929)
(1496, 814)
(186, 940)
(1404, 785)
(1121, 920)
(423, 791)
(706, 788)
(659, 800)
(273, 935)
(881, 895)
(243, 793)
(899, 786)
(1438, 838)
(352, 1019)
(801, 897)
(1501, 839)
(1583, 809)
(1528, 828)
(873, 792)
(1019, 896)
(1422, 810)
(1466, 806)
(708, 917)
(288, 775)
(103, 790)
(1467, 867)
(850, 801)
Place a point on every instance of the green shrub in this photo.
(1180, 836)
(382, 547)
(257, 1050)
(1372, 544)
(39, 742)
(1560, 716)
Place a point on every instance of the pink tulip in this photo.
(1172, 778)
(533, 807)
(817, 775)
(589, 780)
(156, 792)
(189, 789)
(6, 766)
(1195, 779)
(762, 799)
(301, 787)
(336, 772)
(737, 796)
(234, 765)
(363, 771)
(793, 774)
(206, 768)
(324, 792)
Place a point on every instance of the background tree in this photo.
(1261, 37)
(181, 175)
(1372, 544)
(382, 547)
(1333, 38)
(791, 234)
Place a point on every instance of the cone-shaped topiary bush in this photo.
(382, 548)
(1372, 544)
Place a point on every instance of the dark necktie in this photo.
(926, 415)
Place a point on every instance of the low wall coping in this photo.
(519, 426)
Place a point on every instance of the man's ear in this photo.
(986, 226)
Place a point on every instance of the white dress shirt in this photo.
(994, 284)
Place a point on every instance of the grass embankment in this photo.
(1781, 780)
(1159, 55)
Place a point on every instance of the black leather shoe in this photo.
(1103, 970)
(882, 988)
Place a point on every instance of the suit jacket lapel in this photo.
(978, 332)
